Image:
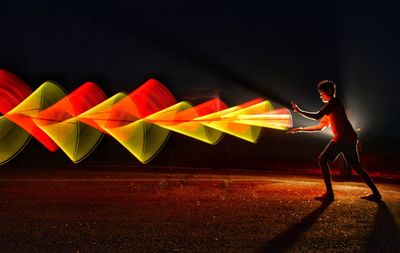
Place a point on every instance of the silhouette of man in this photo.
(344, 141)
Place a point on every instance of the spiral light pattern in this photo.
(141, 120)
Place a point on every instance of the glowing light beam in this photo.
(140, 121)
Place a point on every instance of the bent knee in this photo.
(322, 159)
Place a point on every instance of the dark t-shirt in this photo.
(340, 124)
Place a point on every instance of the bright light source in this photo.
(141, 121)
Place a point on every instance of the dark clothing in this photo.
(344, 141)
(338, 121)
(340, 125)
(349, 150)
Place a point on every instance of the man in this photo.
(344, 141)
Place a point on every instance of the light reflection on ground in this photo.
(209, 211)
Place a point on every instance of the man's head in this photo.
(327, 90)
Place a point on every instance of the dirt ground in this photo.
(211, 211)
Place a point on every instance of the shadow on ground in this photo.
(288, 238)
(385, 236)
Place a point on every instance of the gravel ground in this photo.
(190, 212)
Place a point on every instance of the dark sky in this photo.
(278, 50)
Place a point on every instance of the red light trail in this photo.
(141, 120)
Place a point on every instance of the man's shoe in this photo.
(373, 197)
(325, 197)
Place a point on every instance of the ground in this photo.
(134, 210)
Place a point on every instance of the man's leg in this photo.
(323, 160)
(345, 170)
(351, 155)
(367, 179)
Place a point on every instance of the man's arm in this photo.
(321, 126)
(309, 115)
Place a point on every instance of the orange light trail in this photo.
(141, 121)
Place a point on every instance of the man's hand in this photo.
(294, 130)
(295, 107)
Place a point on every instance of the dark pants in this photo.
(350, 153)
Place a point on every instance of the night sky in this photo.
(277, 50)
